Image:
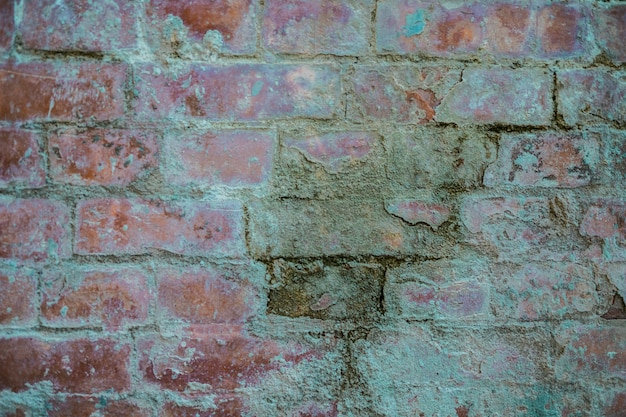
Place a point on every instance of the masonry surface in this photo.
(312, 208)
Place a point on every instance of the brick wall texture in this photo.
(312, 208)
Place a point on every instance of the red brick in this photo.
(334, 150)
(88, 406)
(507, 29)
(546, 291)
(101, 157)
(591, 96)
(45, 91)
(610, 31)
(239, 92)
(206, 295)
(591, 352)
(605, 219)
(75, 366)
(21, 163)
(214, 358)
(78, 25)
(560, 30)
(401, 93)
(7, 24)
(105, 297)
(317, 26)
(224, 406)
(414, 212)
(421, 301)
(617, 406)
(18, 297)
(545, 160)
(234, 20)
(36, 230)
(427, 27)
(123, 226)
(499, 96)
(233, 158)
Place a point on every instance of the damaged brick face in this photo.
(312, 208)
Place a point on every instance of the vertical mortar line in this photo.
(372, 41)
(555, 110)
(259, 30)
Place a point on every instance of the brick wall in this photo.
(312, 208)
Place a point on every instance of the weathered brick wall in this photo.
(312, 208)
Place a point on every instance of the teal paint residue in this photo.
(256, 88)
(526, 160)
(64, 311)
(414, 23)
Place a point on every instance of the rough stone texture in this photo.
(320, 208)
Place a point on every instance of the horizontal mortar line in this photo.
(130, 57)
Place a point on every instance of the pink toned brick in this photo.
(239, 92)
(499, 96)
(232, 20)
(426, 27)
(508, 28)
(605, 219)
(546, 291)
(108, 297)
(400, 93)
(101, 157)
(444, 29)
(476, 212)
(552, 159)
(317, 26)
(21, 163)
(610, 31)
(335, 150)
(75, 366)
(591, 352)
(219, 357)
(522, 227)
(78, 25)
(123, 226)
(591, 96)
(561, 30)
(18, 297)
(34, 230)
(69, 92)
(225, 157)
(206, 295)
(7, 24)
(418, 300)
(414, 212)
